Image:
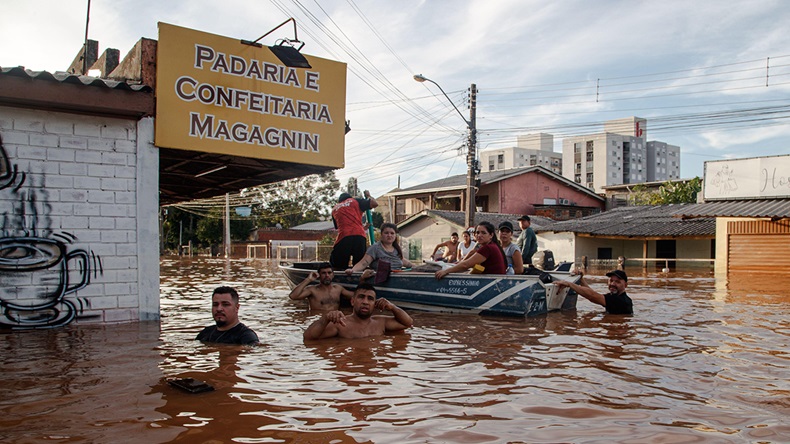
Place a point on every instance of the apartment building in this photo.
(530, 150)
(619, 155)
(663, 161)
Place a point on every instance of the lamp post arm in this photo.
(420, 78)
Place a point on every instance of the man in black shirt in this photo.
(615, 302)
(225, 309)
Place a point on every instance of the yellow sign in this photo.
(217, 95)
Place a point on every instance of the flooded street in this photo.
(702, 360)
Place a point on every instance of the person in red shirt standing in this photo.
(347, 217)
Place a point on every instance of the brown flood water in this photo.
(702, 360)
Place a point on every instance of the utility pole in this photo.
(471, 158)
(471, 142)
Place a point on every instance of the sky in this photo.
(712, 77)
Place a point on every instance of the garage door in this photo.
(759, 246)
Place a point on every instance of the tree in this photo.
(668, 193)
(177, 225)
(211, 229)
(296, 201)
(378, 219)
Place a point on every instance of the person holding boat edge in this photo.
(512, 252)
(361, 323)
(324, 296)
(489, 254)
(615, 302)
(225, 310)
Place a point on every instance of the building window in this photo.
(500, 158)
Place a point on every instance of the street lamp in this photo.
(472, 170)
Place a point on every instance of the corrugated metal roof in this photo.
(64, 77)
(316, 226)
(738, 208)
(638, 221)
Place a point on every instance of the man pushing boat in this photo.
(326, 295)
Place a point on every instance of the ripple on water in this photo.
(701, 360)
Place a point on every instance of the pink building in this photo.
(527, 190)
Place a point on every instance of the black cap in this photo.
(619, 273)
(507, 225)
(524, 217)
(343, 197)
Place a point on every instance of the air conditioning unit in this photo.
(564, 202)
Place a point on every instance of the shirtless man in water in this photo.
(326, 295)
(361, 323)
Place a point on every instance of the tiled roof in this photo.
(64, 77)
(458, 182)
(638, 221)
(738, 208)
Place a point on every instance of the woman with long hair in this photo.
(467, 245)
(489, 254)
(386, 249)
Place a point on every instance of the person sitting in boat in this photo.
(489, 254)
(387, 249)
(450, 253)
(324, 296)
(361, 323)
(467, 245)
(615, 302)
(228, 329)
(515, 265)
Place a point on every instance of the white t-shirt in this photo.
(463, 250)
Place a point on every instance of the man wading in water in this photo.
(361, 323)
(615, 302)
(326, 295)
(225, 309)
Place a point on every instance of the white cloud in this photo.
(502, 46)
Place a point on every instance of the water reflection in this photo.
(700, 360)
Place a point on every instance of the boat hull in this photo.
(459, 292)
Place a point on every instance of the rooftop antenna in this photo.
(85, 44)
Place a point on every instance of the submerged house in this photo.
(641, 234)
(750, 202)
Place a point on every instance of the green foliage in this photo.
(210, 230)
(378, 219)
(328, 239)
(178, 225)
(289, 203)
(296, 201)
(667, 193)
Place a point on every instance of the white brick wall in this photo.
(81, 181)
